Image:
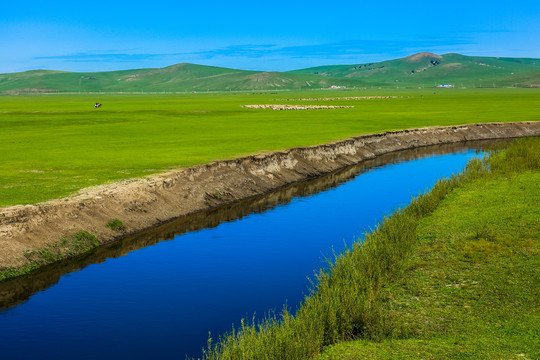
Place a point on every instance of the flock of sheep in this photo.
(343, 98)
(294, 107)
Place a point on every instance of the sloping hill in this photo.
(422, 69)
(179, 77)
(432, 69)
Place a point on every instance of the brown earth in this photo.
(422, 56)
(148, 202)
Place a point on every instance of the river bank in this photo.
(373, 193)
(471, 288)
(148, 202)
(454, 274)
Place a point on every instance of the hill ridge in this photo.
(420, 69)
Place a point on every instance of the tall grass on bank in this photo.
(346, 301)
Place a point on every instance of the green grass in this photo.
(116, 225)
(453, 275)
(472, 291)
(53, 145)
(80, 243)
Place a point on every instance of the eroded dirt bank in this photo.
(144, 203)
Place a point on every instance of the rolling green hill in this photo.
(176, 78)
(430, 69)
(422, 69)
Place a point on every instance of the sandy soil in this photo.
(148, 202)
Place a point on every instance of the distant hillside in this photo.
(180, 77)
(430, 69)
(426, 69)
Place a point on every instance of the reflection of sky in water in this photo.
(161, 301)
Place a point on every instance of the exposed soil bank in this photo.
(144, 203)
(19, 290)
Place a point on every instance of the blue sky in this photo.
(279, 35)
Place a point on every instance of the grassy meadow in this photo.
(452, 276)
(53, 145)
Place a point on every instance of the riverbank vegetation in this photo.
(53, 145)
(80, 243)
(453, 275)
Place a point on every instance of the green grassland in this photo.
(53, 145)
(452, 276)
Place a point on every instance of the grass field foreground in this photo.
(53, 145)
(453, 275)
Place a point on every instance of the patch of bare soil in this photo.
(422, 55)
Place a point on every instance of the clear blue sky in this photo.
(278, 35)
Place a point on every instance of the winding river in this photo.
(159, 293)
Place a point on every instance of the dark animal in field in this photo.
(97, 105)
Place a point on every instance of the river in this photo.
(159, 293)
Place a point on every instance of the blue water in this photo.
(162, 300)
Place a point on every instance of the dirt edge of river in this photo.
(144, 203)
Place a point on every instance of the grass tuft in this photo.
(116, 225)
